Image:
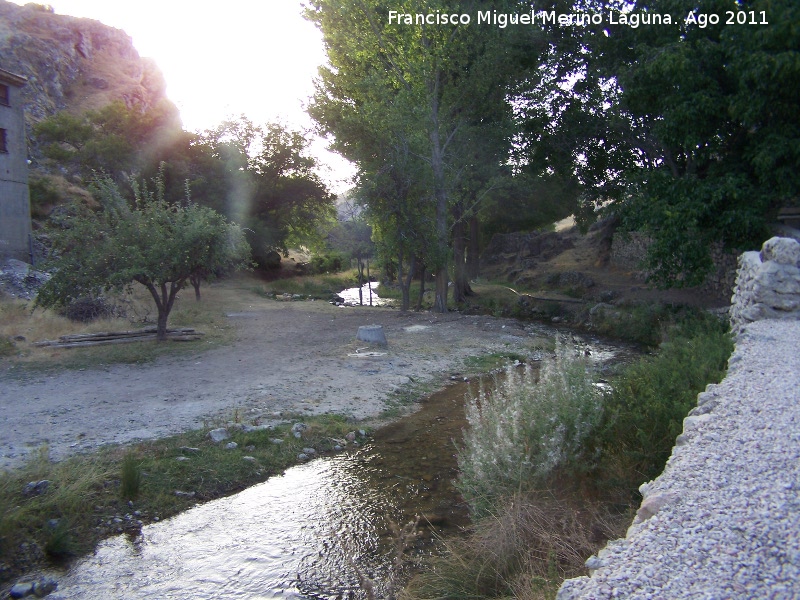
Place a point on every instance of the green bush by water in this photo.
(650, 398)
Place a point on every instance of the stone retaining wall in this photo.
(767, 283)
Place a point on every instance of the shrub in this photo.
(521, 430)
(332, 262)
(645, 412)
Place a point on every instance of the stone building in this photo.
(15, 210)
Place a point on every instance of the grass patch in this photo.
(320, 287)
(524, 550)
(644, 413)
(87, 498)
(20, 321)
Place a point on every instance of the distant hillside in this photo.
(74, 64)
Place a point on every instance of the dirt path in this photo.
(289, 358)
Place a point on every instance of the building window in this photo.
(4, 95)
(3, 146)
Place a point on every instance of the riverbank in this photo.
(287, 358)
(723, 519)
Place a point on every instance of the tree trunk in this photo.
(473, 256)
(405, 281)
(461, 287)
(161, 330)
(421, 288)
(440, 191)
(195, 279)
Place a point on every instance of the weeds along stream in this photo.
(325, 529)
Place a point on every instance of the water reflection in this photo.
(351, 295)
(299, 535)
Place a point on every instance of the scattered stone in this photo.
(248, 428)
(181, 494)
(276, 441)
(249, 458)
(182, 458)
(231, 446)
(302, 457)
(309, 451)
(44, 586)
(36, 488)
(218, 435)
(21, 590)
(189, 449)
(351, 436)
(250, 448)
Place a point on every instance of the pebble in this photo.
(218, 435)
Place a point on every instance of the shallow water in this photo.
(351, 297)
(299, 535)
(311, 532)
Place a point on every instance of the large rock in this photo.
(74, 63)
(767, 283)
(372, 334)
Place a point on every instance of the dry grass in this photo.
(22, 325)
(523, 551)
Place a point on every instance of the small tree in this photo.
(151, 242)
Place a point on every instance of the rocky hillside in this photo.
(74, 64)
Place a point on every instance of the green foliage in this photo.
(645, 412)
(151, 242)
(264, 179)
(114, 139)
(522, 430)
(713, 124)
(130, 477)
(331, 262)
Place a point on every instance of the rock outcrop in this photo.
(73, 63)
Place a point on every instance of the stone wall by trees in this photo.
(768, 283)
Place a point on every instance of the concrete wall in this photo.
(15, 210)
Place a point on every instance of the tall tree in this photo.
(435, 88)
(265, 179)
(714, 126)
(148, 241)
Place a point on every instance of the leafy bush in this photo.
(645, 412)
(332, 262)
(521, 430)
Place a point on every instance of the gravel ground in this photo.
(291, 358)
(723, 520)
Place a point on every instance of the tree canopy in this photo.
(687, 130)
(148, 241)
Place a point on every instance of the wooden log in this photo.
(89, 339)
(114, 334)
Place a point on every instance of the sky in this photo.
(226, 58)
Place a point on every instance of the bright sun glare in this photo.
(224, 59)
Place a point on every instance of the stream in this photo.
(309, 533)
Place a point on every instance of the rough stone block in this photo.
(372, 334)
(784, 251)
